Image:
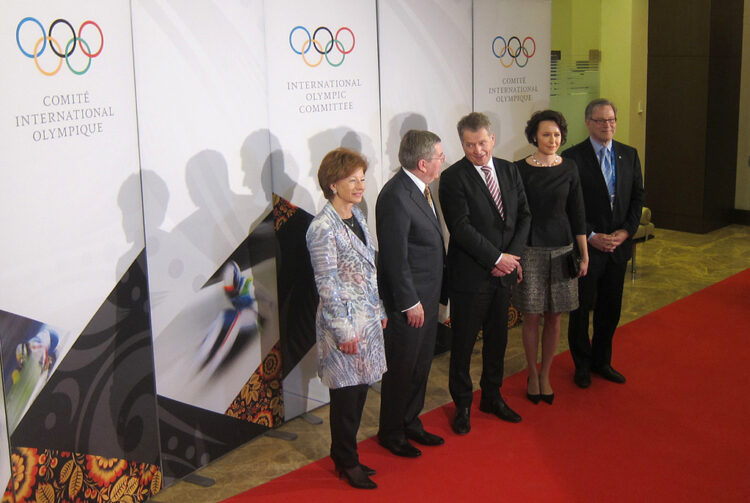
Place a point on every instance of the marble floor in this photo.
(670, 267)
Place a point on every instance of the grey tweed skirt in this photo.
(547, 285)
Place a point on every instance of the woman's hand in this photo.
(349, 347)
(384, 323)
(584, 267)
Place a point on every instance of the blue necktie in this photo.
(609, 174)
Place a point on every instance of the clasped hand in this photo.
(508, 263)
(608, 242)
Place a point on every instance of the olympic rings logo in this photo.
(514, 49)
(323, 49)
(76, 40)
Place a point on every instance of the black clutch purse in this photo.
(573, 260)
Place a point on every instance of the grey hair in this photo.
(474, 122)
(415, 146)
(599, 102)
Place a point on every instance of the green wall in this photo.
(619, 30)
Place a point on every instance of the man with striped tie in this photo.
(485, 210)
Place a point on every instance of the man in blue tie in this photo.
(612, 185)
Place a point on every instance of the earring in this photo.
(334, 191)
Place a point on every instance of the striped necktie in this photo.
(494, 190)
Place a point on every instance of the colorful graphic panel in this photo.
(100, 399)
(210, 239)
(207, 193)
(77, 358)
(30, 352)
(51, 475)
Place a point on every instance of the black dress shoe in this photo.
(582, 378)
(403, 448)
(425, 438)
(356, 477)
(532, 398)
(368, 471)
(609, 374)
(461, 423)
(500, 409)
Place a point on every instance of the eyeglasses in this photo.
(602, 122)
(441, 157)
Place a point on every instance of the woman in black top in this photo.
(553, 190)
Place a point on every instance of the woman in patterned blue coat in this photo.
(350, 317)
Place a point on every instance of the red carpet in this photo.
(677, 431)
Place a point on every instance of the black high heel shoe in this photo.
(532, 398)
(546, 398)
(368, 471)
(356, 477)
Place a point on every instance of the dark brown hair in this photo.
(532, 126)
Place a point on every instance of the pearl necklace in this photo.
(554, 161)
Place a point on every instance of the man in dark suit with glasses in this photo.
(613, 194)
(410, 274)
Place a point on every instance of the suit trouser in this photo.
(600, 290)
(345, 411)
(408, 353)
(470, 312)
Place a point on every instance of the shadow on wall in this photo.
(218, 208)
(129, 201)
(397, 127)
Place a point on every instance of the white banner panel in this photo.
(323, 94)
(425, 72)
(71, 224)
(323, 90)
(511, 67)
(205, 155)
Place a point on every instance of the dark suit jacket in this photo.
(626, 214)
(410, 238)
(477, 233)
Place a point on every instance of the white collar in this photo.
(420, 184)
(490, 164)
